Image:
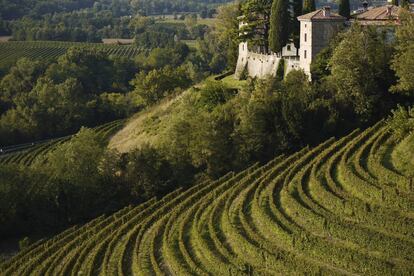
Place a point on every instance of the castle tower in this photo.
(316, 30)
(243, 52)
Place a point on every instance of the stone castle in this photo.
(316, 30)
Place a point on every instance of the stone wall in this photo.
(260, 65)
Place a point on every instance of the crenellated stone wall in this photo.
(261, 65)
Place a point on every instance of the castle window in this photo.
(304, 54)
(306, 37)
(288, 47)
(306, 25)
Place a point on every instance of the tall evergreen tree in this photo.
(344, 8)
(308, 6)
(257, 19)
(279, 25)
(295, 24)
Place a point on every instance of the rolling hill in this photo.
(345, 207)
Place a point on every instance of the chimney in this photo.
(326, 11)
(365, 5)
(389, 10)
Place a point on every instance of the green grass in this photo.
(146, 126)
(340, 208)
(234, 83)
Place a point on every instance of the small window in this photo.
(288, 48)
(306, 37)
(306, 25)
(305, 54)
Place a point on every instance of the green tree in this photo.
(360, 70)
(308, 6)
(403, 60)
(20, 79)
(297, 6)
(256, 17)
(214, 93)
(279, 25)
(344, 8)
(156, 84)
(320, 68)
(91, 67)
(148, 173)
(402, 121)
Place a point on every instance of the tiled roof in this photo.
(319, 15)
(387, 12)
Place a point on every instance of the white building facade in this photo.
(316, 30)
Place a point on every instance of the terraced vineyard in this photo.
(25, 154)
(10, 52)
(339, 208)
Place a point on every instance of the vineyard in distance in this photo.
(344, 207)
(12, 51)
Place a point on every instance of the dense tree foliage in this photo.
(77, 181)
(403, 62)
(219, 48)
(360, 69)
(279, 25)
(402, 121)
(12, 9)
(256, 19)
(151, 87)
(308, 6)
(91, 26)
(44, 100)
(94, 20)
(86, 87)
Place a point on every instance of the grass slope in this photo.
(145, 126)
(342, 208)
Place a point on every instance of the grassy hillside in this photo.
(145, 126)
(343, 207)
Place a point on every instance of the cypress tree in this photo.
(257, 17)
(308, 6)
(279, 25)
(344, 8)
(297, 11)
